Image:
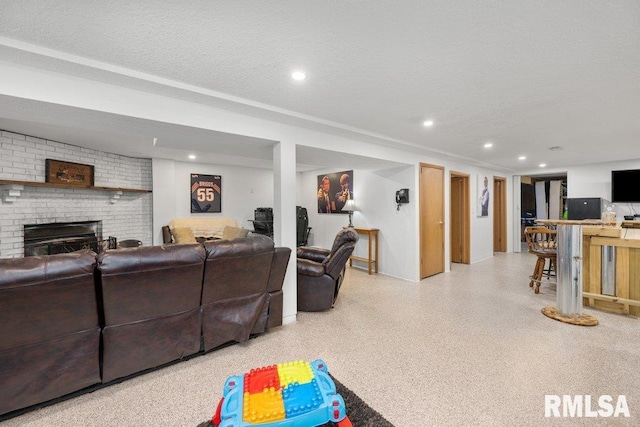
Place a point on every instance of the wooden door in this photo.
(459, 218)
(499, 214)
(431, 220)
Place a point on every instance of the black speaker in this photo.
(586, 208)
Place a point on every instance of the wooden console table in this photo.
(372, 235)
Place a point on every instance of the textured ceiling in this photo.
(526, 75)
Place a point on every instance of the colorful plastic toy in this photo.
(293, 394)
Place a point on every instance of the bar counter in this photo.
(625, 298)
(606, 248)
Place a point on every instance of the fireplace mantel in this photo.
(11, 190)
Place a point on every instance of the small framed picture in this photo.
(206, 193)
(483, 195)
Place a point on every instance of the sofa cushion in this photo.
(183, 235)
(227, 273)
(150, 282)
(133, 347)
(49, 328)
(234, 232)
(234, 319)
(151, 305)
(46, 297)
(34, 373)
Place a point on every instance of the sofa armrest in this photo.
(312, 253)
(279, 264)
(310, 268)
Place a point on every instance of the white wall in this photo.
(595, 181)
(481, 226)
(243, 190)
(374, 193)
(399, 233)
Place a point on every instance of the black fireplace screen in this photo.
(62, 237)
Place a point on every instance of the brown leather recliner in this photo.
(321, 271)
(240, 289)
(151, 305)
(49, 328)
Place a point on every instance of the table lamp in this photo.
(351, 207)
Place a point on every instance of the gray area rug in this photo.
(360, 414)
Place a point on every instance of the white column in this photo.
(284, 220)
(164, 209)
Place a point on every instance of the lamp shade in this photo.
(350, 206)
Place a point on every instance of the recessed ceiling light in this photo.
(522, 158)
(192, 156)
(427, 123)
(298, 75)
(543, 165)
(488, 144)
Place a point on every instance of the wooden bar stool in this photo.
(541, 242)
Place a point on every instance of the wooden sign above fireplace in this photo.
(59, 172)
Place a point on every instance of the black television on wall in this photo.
(625, 186)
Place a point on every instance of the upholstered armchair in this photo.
(321, 271)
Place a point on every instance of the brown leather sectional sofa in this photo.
(73, 322)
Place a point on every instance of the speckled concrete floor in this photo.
(465, 348)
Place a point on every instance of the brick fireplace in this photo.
(23, 157)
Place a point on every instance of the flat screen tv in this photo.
(625, 186)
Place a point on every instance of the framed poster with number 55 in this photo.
(206, 193)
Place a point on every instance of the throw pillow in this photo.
(183, 235)
(234, 232)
